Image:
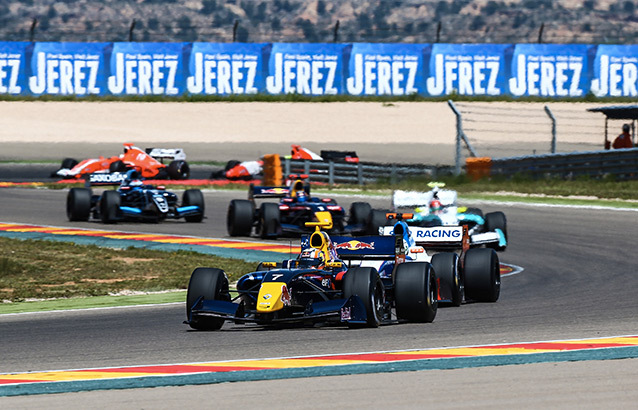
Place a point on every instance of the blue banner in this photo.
(385, 69)
(549, 70)
(14, 58)
(307, 69)
(147, 69)
(227, 68)
(467, 69)
(615, 71)
(68, 69)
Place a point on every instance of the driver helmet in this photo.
(435, 207)
(133, 178)
(317, 254)
(302, 196)
(625, 128)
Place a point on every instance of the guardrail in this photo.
(361, 173)
(622, 163)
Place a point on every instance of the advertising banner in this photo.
(227, 68)
(307, 69)
(550, 70)
(385, 69)
(14, 58)
(68, 69)
(467, 69)
(615, 71)
(147, 69)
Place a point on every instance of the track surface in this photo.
(579, 282)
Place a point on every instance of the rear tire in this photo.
(493, 221)
(78, 204)
(415, 292)
(269, 218)
(178, 170)
(239, 218)
(117, 166)
(211, 284)
(359, 213)
(68, 163)
(110, 207)
(446, 268)
(377, 220)
(194, 197)
(366, 284)
(482, 275)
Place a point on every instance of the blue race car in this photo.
(133, 200)
(295, 208)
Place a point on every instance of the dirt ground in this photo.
(402, 132)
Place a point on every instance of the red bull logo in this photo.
(354, 245)
(275, 191)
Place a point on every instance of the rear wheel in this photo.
(482, 275)
(415, 292)
(110, 206)
(117, 166)
(211, 284)
(359, 213)
(178, 170)
(78, 204)
(269, 220)
(493, 221)
(194, 197)
(446, 268)
(239, 218)
(231, 164)
(366, 284)
(474, 211)
(68, 163)
(377, 220)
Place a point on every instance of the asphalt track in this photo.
(579, 282)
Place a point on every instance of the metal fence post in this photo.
(286, 167)
(306, 168)
(359, 173)
(551, 117)
(460, 135)
(331, 173)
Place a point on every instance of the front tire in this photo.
(239, 218)
(359, 213)
(415, 292)
(178, 170)
(366, 284)
(211, 284)
(194, 197)
(482, 275)
(377, 220)
(446, 268)
(110, 207)
(493, 221)
(78, 204)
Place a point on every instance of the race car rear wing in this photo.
(267, 192)
(436, 237)
(167, 153)
(359, 248)
(410, 199)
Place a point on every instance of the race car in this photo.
(236, 170)
(133, 200)
(439, 207)
(148, 163)
(315, 287)
(295, 208)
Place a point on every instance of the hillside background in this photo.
(400, 21)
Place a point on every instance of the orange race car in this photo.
(149, 163)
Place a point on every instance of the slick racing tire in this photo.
(239, 218)
(78, 204)
(194, 197)
(366, 284)
(110, 207)
(415, 292)
(376, 220)
(359, 213)
(211, 284)
(231, 164)
(446, 269)
(117, 166)
(178, 170)
(68, 163)
(482, 275)
(475, 211)
(269, 220)
(493, 221)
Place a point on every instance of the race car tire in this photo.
(482, 275)
(239, 218)
(231, 164)
(178, 170)
(446, 269)
(415, 292)
(359, 213)
(117, 166)
(78, 204)
(110, 207)
(194, 197)
(366, 284)
(211, 284)
(493, 221)
(68, 163)
(474, 211)
(269, 220)
(376, 220)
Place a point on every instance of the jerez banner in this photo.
(14, 57)
(615, 71)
